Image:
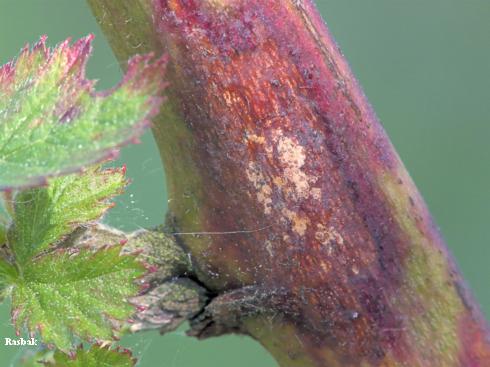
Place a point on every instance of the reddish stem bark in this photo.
(268, 137)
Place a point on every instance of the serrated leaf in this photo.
(64, 293)
(38, 358)
(51, 120)
(96, 356)
(44, 215)
(8, 273)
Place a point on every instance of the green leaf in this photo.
(82, 293)
(32, 358)
(7, 271)
(51, 120)
(42, 216)
(96, 356)
(8, 275)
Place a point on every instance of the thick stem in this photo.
(272, 150)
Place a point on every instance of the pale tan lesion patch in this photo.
(292, 181)
(256, 139)
(355, 269)
(292, 157)
(325, 266)
(269, 248)
(328, 236)
(231, 99)
(316, 193)
(299, 223)
(263, 190)
(279, 182)
(220, 4)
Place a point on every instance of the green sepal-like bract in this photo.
(96, 356)
(44, 215)
(75, 292)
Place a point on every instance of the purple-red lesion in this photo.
(287, 141)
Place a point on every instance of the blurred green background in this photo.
(425, 66)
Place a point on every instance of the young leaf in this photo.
(44, 215)
(8, 274)
(64, 293)
(51, 120)
(96, 356)
(32, 358)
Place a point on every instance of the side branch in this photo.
(172, 296)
